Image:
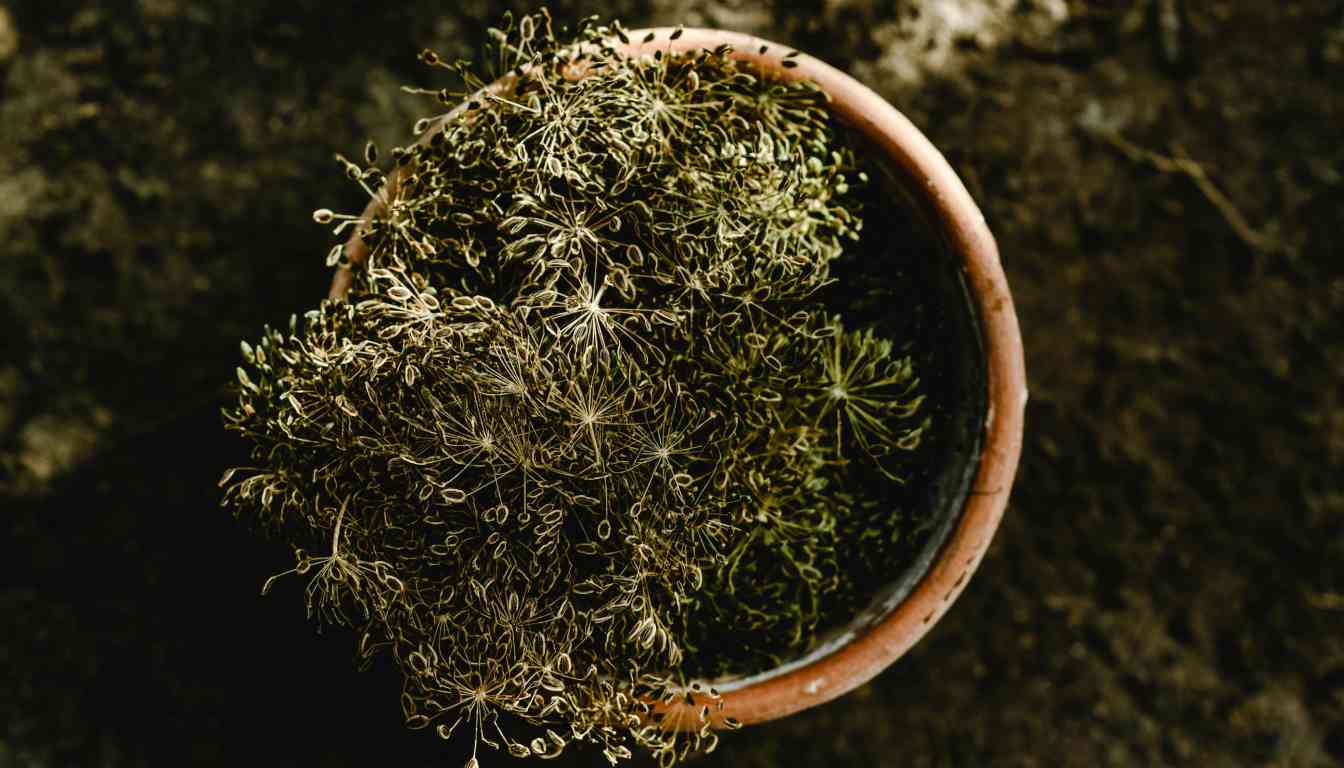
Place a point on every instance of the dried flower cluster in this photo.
(581, 404)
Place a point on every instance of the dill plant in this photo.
(581, 411)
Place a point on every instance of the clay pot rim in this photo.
(812, 682)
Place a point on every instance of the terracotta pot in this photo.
(860, 653)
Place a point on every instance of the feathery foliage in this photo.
(581, 408)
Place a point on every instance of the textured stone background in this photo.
(1167, 589)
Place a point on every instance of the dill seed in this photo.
(582, 415)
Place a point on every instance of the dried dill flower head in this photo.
(580, 406)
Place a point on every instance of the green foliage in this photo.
(581, 409)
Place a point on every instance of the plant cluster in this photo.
(581, 407)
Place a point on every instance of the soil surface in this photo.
(1164, 178)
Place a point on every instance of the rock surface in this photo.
(1167, 589)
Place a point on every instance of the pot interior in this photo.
(903, 279)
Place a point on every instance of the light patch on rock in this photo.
(939, 37)
(51, 445)
(753, 18)
(9, 35)
(920, 39)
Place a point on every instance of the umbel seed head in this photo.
(582, 401)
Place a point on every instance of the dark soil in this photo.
(1168, 584)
